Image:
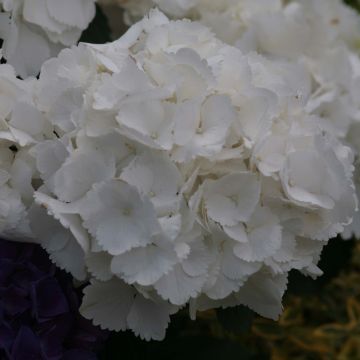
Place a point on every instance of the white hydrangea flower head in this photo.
(170, 168)
(35, 30)
(331, 20)
(29, 147)
(320, 33)
(227, 18)
(323, 35)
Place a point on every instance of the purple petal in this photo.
(8, 250)
(48, 299)
(39, 316)
(26, 345)
(53, 334)
(7, 267)
(52, 345)
(7, 336)
(14, 301)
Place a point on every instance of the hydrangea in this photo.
(39, 309)
(227, 18)
(35, 30)
(323, 35)
(261, 21)
(16, 165)
(172, 169)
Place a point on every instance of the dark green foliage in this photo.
(99, 30)
(237, 320)
(353, 3)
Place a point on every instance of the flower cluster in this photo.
(322, 35)
(227, 18)
(16, 104)
(39, 309)
(171, 168)
(35, 30)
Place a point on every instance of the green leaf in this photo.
(237, 320)
(353, 3)
(98, 31)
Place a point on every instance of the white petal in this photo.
(59, 242)
(322, 188)
(79, 172)
(156, 177)
(98, 264)
(178, 287)
(264, 236)
(171, 225)
(66, 109)
(232, 198)
(35, 12)
(263, 294)
(198, 260)
(287, 249)
(119, 219)
(67, 216)
(222, 287)
(27, 118)
(152, 129)
(76, 13)
(149, 319)
(186, 119)
(31, 50)
(131, 80)
(108, 303)
(50, 154)
(144, 265)
(237, 233)
(235, 268)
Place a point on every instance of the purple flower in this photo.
(39, 316)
